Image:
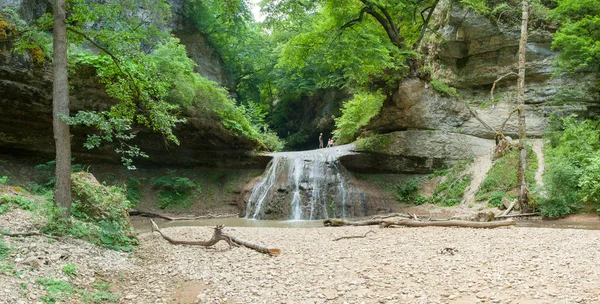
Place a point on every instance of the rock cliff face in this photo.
(26, 103)
(470, 55)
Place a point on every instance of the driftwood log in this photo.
(354, 236)
(187, 218)
(339, 222)
(218, 235)
(519, 215)
(452, 223)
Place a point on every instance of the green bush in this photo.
(407, 190)
(132, 191)
(356, 113)
(100, 215)
(495, 198)
(174, 191)
(561, 187)
(573, 162)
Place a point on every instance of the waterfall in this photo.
(306, 185)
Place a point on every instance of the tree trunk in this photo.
(523, 191)
(60, 102)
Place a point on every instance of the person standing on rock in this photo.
(321, 141)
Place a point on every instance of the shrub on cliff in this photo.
(356, 112)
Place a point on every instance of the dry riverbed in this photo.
(396, 265)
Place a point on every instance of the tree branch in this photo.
(497, 80)
(425, 23)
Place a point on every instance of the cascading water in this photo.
(305, 185)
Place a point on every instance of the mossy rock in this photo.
(94, 201)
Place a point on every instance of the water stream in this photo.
(305, 185)
(142, 224)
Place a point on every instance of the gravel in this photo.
(395, 265)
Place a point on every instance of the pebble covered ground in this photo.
(394, 265)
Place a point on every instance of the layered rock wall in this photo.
(470, 53)
(26, 107)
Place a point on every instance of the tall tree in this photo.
(60, 103)
(523, 191)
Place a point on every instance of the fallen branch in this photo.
(496, 81)
(468, 224)
(384, 216)
(218, 236)
(340, 222)
(354, 236)
(257, 247)
(518, 215)
(509, 209)
(187, 218)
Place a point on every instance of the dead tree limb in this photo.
(496, 81)
(509, 209)
(339, 222)
(218, 236)
(384, 216)
(519, 215)
(354, 236)
(468, 224)
(187, 218)
(481, 121)
(257, 247)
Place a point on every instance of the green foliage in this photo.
(495, 198)
(573, 160)
(502, 177)
(578, 36)
(102, 294)
(26, 38)
(450, 189)
(174, 191)
(443, 88)
(132, 191)
(561, 185)
(374, 143)
(56, 290)
(356, 113)
(70, 269)
(3, 179)
(23, 202)
(407, 190)
(4, 250)
(100, 215)
(440, 172)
